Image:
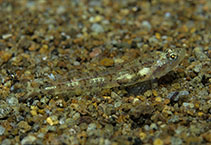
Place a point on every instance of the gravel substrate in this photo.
(50, 42)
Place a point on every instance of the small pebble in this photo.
(174, 96)
(91, 127)
(142, 135)
(5, 109)
(185, 104)
(107, 62)
(167, 14)
(5, 56)
(2, 130)
(6, 142)
(95, 52)
(174, 119)
(117, 104)
(23, 126)
(153, 126)
(148, 93)
(28, 140)
(158, 141)
(52, 120)
(207, 136)
(97, 28)
(33, 112)
(176, 141)
(12, 101)
(197, 68)
(6, 36)
(198, 51)
(147, 25)
(158, 99)
(155, 93)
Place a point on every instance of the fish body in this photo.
(139, 70)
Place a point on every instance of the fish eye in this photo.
(171, 55)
